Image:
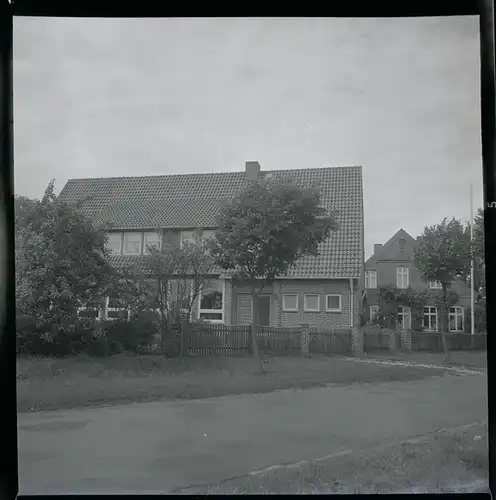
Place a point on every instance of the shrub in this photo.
(130, 336)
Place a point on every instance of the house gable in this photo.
(400, 247)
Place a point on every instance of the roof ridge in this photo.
(306, 169)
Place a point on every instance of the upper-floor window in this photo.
(208, 233)
(435, 284)
(190, 237)
(132, 243)
(370, 279)
(151, 239)
(114, 242)
(402, 277)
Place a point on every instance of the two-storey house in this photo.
(392, 264)
(166, 210)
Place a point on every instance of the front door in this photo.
(263, 316)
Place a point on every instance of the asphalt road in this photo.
(161, 446)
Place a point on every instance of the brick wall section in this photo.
(305, 339)
(320, 319)
(357, 340)
(406, 340)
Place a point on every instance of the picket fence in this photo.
(209, 339)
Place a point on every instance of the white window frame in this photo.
(430, 314)
(124, 243)
(107, 309)
(310, 309)
(330, 309)
(435, 285)
(371, 279)
(193, 234)
(84, 308)
(402, 277)
(120, 242)
(456, 314)
(145, 245)
(373, 312)
(406, 313)
(290, 309)
(204, 238)
(212, 311)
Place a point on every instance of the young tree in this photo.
(443, 254)
(479, 258)
(60, 262)
(180, 275)
(266, 229)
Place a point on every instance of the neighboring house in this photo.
(165, 210)
(392, 264)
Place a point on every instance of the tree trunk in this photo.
(443, 325)
(254, 342)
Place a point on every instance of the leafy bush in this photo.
(130, 336)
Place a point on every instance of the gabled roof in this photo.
(401, 233)
(195, 200)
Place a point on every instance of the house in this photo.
(165, 210)
(392, 264)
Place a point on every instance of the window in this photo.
(132, 243)
(402, 276)
(151, 239)
(374, 312)
(89, 312)
(333, 303)
(116, 309)
(430, 319)
(290, 302)
(370, 279)
(211, 302)
(435, 284)
(190, 237)
(114, 242)
(456, 319)
(403, 318)
(311, 302)
(207, 234)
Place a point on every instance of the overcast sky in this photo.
(119, 97)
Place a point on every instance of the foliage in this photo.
(265, 230)
(180, 275)
(60, 263)
(268, 228)
(391, 297)
(479, 257)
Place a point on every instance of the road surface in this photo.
(158, 447)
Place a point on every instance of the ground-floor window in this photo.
(374, 312)
(456, 319)
(334, 303)
(403, 318)
(89, 312)
(116, 309)
(212, 302)
(430, 319)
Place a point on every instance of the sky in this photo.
(123, 97)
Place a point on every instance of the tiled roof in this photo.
(194, 200)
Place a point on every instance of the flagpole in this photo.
(472, 273)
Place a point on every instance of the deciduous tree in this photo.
(264, 232)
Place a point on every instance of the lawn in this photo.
(461, 359)
(51, 384)
(441, 462)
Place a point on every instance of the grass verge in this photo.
(52, 384)
(444, 461)
(459, 359)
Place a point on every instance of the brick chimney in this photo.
(377, 247)
(252, 169)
